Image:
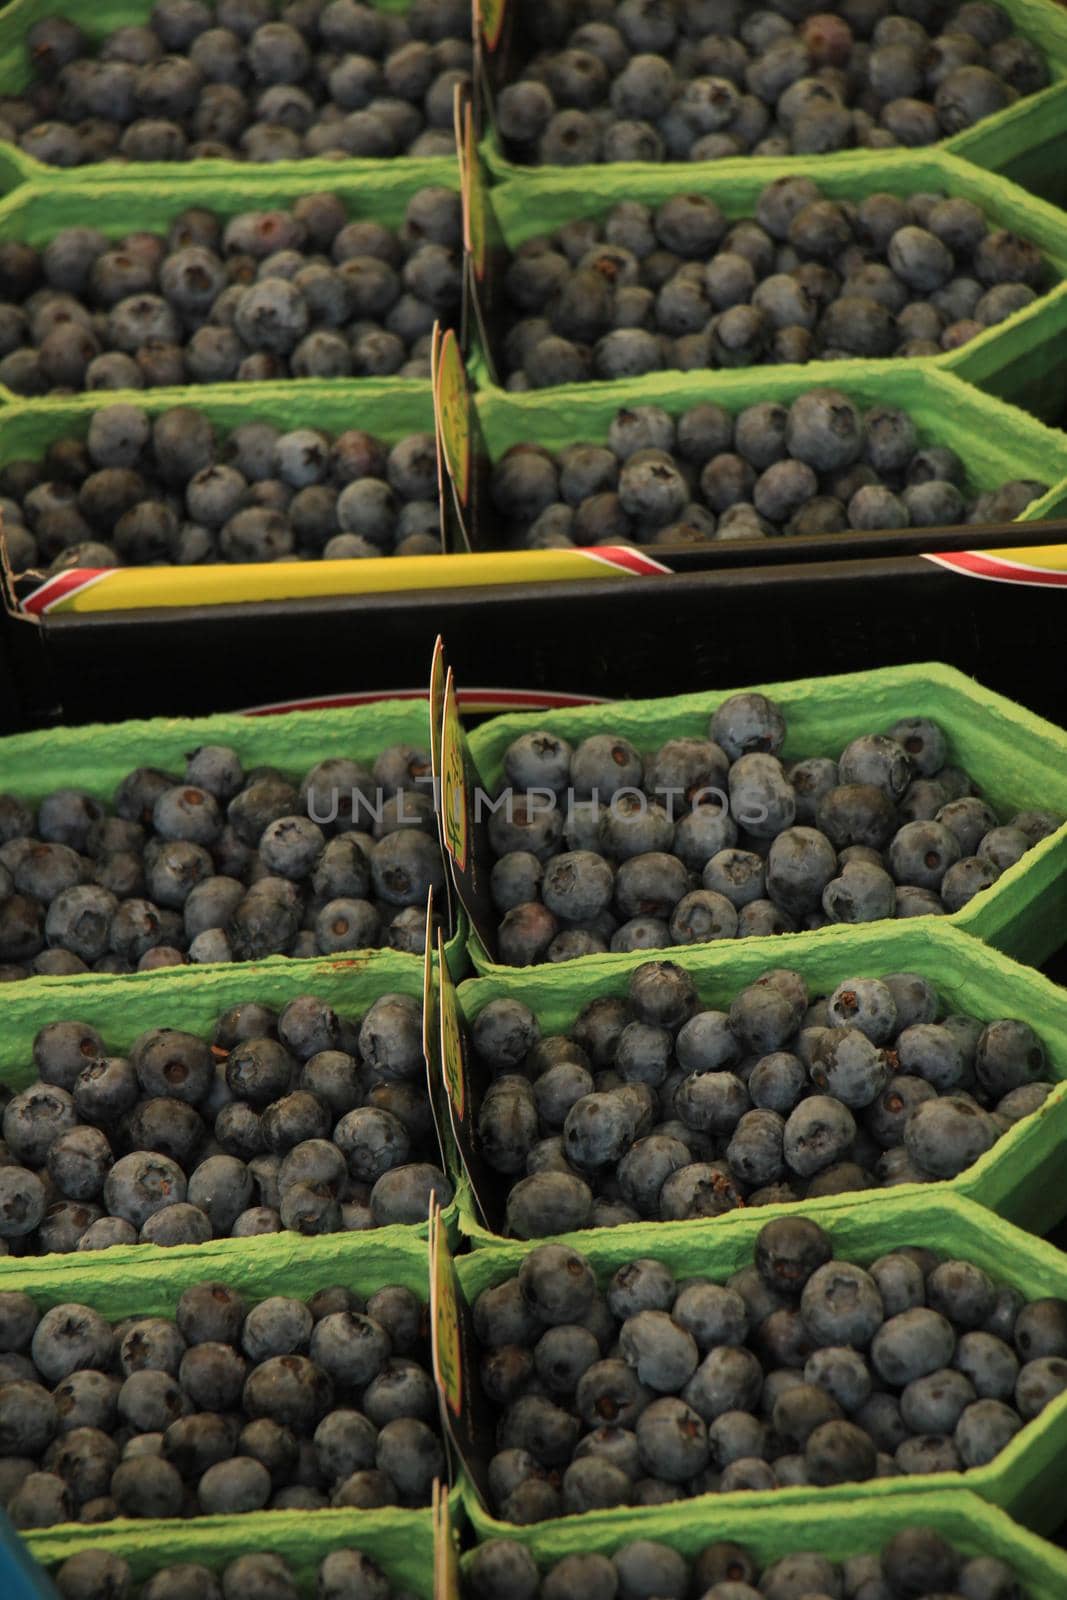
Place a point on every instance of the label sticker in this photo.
(465, 1082)
(466, 1415)
(453, 404)
(439, 1107)
(464, 823)
(476, 219)
(454, 796)
(444, 1314)
(438, 681)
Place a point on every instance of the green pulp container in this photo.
(527, 207)
(865, 1527)
(190, 999)
(396, 409)
(98, 21)
(996, 442)
(97, 757)
(141, 1284)
(1020, 142)
(1025, 1479)
(36, 212)
(1018, 1178)
(1016, 759)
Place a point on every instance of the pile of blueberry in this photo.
(304, 293)
(708, 79)
(344, 1574)
(819, 465)
(680, 286)
(799, 1370)
(298, 1120)
(656, 1107)
(138, 491)
(222, 864)
(915, 1562)
(223, 1408)
(600, 847)
(245, 80)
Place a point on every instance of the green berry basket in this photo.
(996, 442)
(97, 21)
(1021, 141)
(1016, 1178)
(143, 1284)
(191, 999)
(1016, 759)
(527, 207)
(1025, 1479)
(863, 1528)
(36, 212)
(394, 409)
(401, 1542)
(95, 758)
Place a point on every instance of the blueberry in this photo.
(816, 1134)
(945, 1136)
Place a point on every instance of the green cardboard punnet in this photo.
(1025, 1479)
(1018, 1178)
(1018, 760)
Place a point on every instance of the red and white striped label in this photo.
(470, 700)
(1040, 572)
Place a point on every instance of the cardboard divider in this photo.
(865, 1527)
(1016, 1178)
(1027, 129)
(97, 757)
(1025, 1479)
(1016, 759)
(100, 20)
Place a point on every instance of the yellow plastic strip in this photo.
(136, 588)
